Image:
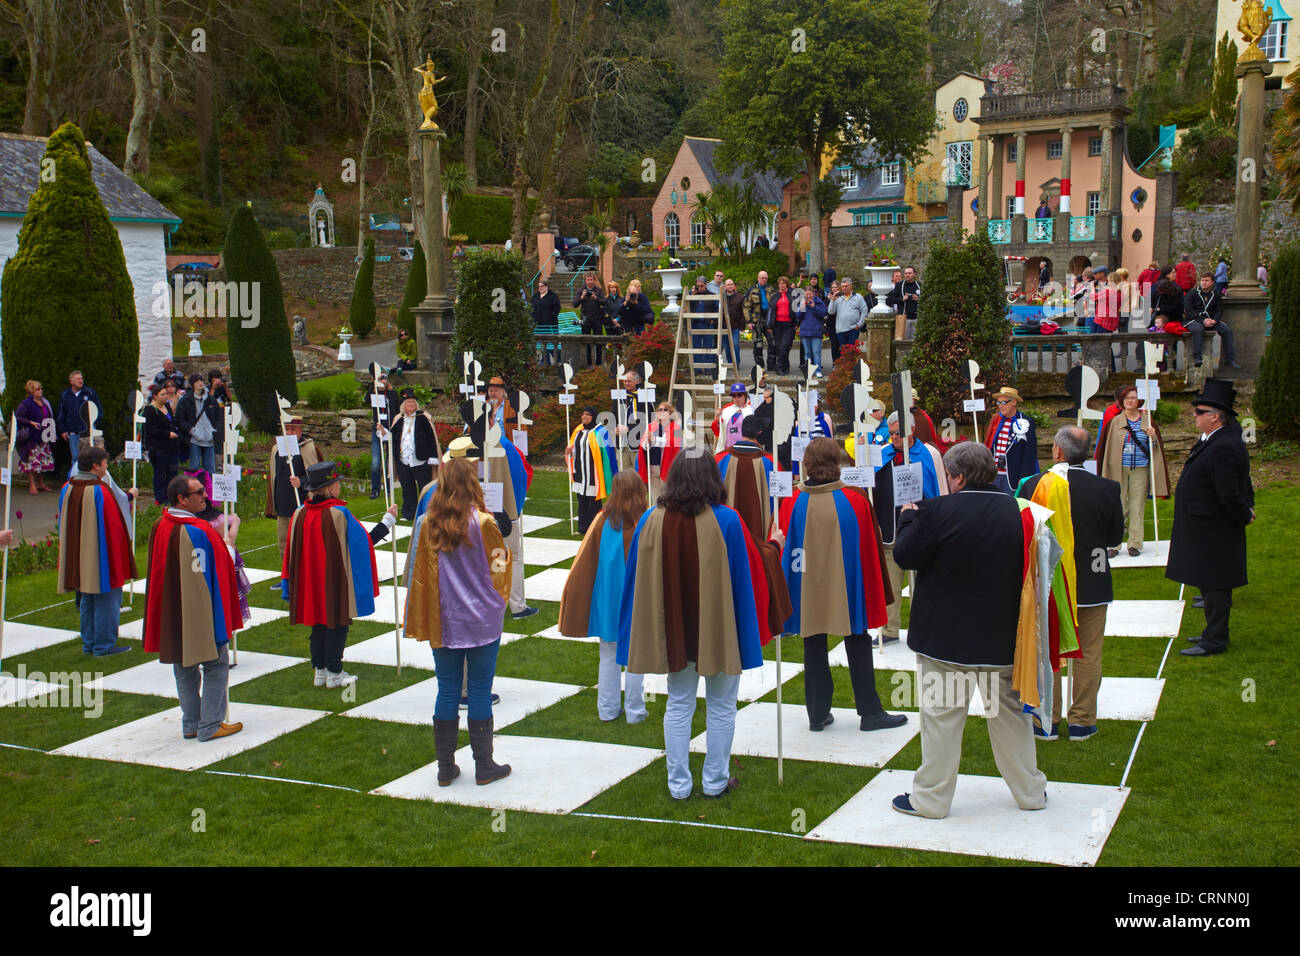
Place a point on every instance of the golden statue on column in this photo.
(1253, 24)
(428, 101)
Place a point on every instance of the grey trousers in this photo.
(203, 711)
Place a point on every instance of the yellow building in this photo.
(950, 155)
(1278, 44)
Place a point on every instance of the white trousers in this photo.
(515, 542)
(720, 701)
(608, 693)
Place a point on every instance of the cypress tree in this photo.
(361, 314)
(261, 353)
(1223, 92)
(67, 298)
(492, 320)
(961, 316)
(1277, 400)
(417, 287)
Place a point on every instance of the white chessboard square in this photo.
(984, 821)
(382, 650)
(255, 576)
(257, 616)
(414, 704)
(538, 522)
(22, 638)
(542, 552)
(384, 612)
(384, 563)
(1144, 618)
(895, 656)
(754, 683)
(14, 689)
(534, 785)
(159, 680)
(156, 740)
(843, 742)
(1118, 698)
(553, 632)
(545, 585)
(1154, 554)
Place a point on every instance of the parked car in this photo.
(576, 255)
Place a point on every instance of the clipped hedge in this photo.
(361, 313)
(1277, 399)
(67, 298)
(484, 218)
(417, 287)
(492, 318)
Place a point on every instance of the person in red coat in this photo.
(1185, 275)
(192, 609)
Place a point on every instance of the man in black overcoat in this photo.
(1213, 503)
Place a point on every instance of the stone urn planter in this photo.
(882, 283)
(195, 348)
(345, 350)
(671, 279)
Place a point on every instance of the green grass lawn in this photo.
(1213, 782)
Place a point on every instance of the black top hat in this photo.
(321, 475)
(408, 393)
(1217, 393)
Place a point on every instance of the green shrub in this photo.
(1277, 397)
(318, 398)
(485, 218)
(745, 274)
(417, 287)
(1165, 413)
(1044, 423)
(1277, 451)
(492, 320)
(67, 298)
(261, 355)
(961, 316)
(361, 314)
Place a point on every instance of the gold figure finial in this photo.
(1254, 23)
(428, 101)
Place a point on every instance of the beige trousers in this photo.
(1086, 670)
(896, 579)
(515, 542)
(282, 534)
(1134, 487)
(945, 694)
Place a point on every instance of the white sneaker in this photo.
(341, 679)
(319, 679)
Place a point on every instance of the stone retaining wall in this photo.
(1198, 232)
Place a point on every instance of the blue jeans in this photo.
(205, 458)
(813, 348)
(99, 618)
(450, 665)
(731, 350)
(720, 728)
(203, 698)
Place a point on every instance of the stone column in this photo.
(1065, 168)
(1244, 306)
(995, 210)
(1107, 149)
(1019, 227)
(981, 183)
(434, 317)
(880, 337)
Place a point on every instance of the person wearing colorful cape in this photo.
(283, 476)
(694, 605)
(1127, 452)
(972, 550)
(589, 606)
(192, 609)
(1096, 520)
(592, 465)
(934, 482)
(458, 576)
(831, 568)
(660, 444)
(1213, 503)
(329, 575)
(95, 553)
(745, 471)
(726, 427)
(1011, 438)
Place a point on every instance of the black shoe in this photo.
(1200, 650)
(118, 649)
(903, 804)
(464, 701)
(374, 495)
(1112, 552)
(886, 639)
(1134, 552)
(820, 725)
(1198, 602)
(732, 784)
(1195, 639)
(883, 721)
(526, 612)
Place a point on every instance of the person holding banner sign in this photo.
(589, 606)
(1133, 454)
(284, 476)
(660, 444)
(591, 466)
(727, 425)
(694, 605)
(832, 570)
(384, 409)
(415, 443)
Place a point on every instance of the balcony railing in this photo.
(999, 230)
(1051, 102)
(1040, 230)
(1083, 228)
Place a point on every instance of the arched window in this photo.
(698, 237)
(672, 229)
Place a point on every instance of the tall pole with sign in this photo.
(1152, 355)
(566, 399)
(782, 423)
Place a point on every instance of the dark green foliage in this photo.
(1223, 94)
(492, 320)
(361, 314)
(1277, 398)
(481, 218)
(1206, 161)
(745, 274)
(961, 316)
(417, 286)
(67, 298)
(261, 356)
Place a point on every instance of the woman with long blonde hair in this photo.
(593, 593)
(459, 586)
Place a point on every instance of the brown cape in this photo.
(309, 457)
(1110, 464)
(747, 492)
(575, 601)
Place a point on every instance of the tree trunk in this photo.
(1185, 60)
(40, 30)
(577, 44)
(144, 47)
(485, 12)
(523, 127)
(813, 164)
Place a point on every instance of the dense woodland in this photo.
(210, 103)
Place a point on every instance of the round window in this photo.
(1139, 197)
(1137, 235)
(960, 109)
(686, 183)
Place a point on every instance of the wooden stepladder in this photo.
(709, 307)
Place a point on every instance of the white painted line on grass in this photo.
(21, 747)
(1129, 766)
(258, 776)
(1161, 669)
(686, 823)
